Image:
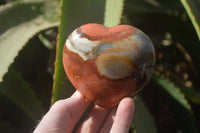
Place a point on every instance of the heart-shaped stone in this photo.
(108, 64)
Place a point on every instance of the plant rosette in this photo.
(107, 64)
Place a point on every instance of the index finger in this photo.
(123, 116)
(64, 114)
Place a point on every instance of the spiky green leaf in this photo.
(193, 9)
(178, 102)
(18, 91)
(192, 94)
(113, 12)
(173, 90)
(20, 21)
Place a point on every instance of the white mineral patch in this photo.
(82, 46)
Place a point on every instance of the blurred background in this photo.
(169, 103)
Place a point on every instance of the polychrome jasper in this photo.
(108, 64)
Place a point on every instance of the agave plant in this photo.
(32, 78)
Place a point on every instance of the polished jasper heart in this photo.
(108, 64)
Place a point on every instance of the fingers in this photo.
(109, 121)
(63, 115)
(94, 121)
(104, 120)
(123, 116)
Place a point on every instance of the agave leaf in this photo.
(113, 12)
(35, 62)
(18, 91)
(45, 41)
(173, 90)
(13, 117)
(20, 21)
(193, 9)
(142, 120)
(73, 14)
(169, 7)
(178, 102)
(192, 94)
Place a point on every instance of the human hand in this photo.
(64, 114)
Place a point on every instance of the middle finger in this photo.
(94, 120)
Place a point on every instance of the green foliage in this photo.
(22, 105)
(143, 117)
(178, 102)
(113, 12)
(192, 94)
(172, 90)
(20, 21)
(28, 74)
(192, 8)
(19, 92)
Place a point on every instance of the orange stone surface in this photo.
(108, 64)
